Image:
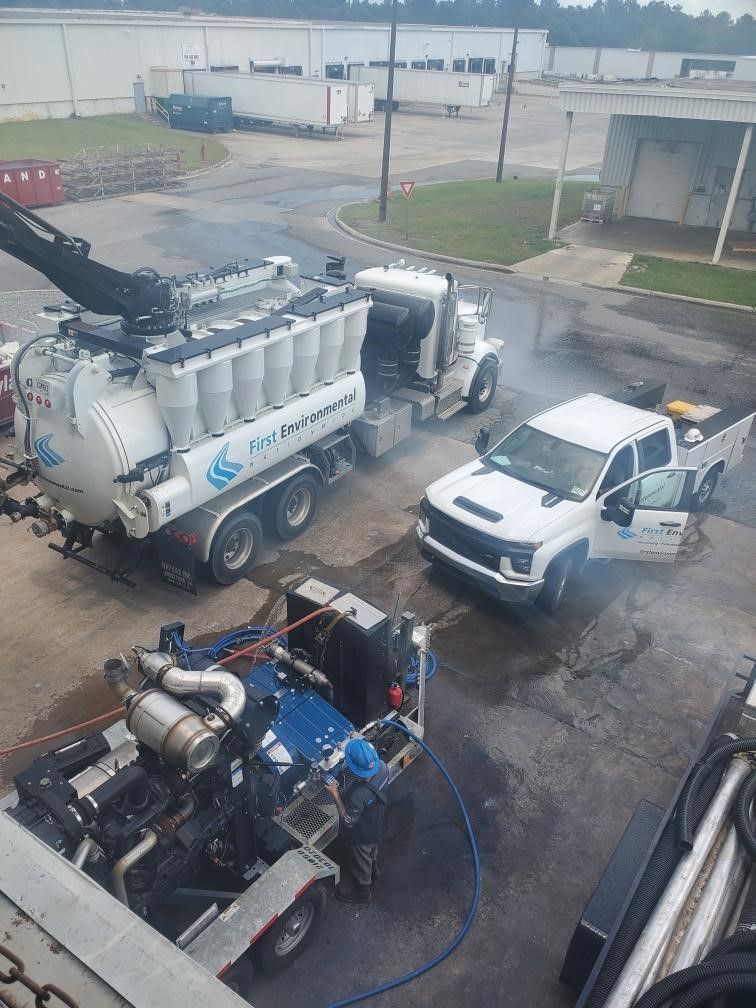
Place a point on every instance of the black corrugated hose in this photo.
(741, 815)
(655, 878)
(720, 752)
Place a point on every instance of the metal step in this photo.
(456, 407)
(449, 399)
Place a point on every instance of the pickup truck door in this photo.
(645, 518)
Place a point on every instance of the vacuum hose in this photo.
(718, 754)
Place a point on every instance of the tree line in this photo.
(623, 24)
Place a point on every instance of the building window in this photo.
(459, 65)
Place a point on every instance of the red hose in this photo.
(59, 734)
(251, 648)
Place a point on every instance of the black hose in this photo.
(739, 941)
(741, 815)
(670, 986)
(747, 920)
(726, 983)
(721, 752)
(658, 872)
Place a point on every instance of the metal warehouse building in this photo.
(678, 152)
(56, 64)
(595, 63)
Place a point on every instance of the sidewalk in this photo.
(599, 267)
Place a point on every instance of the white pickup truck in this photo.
(597, 477)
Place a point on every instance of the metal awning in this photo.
(735, 103)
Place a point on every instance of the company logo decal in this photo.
(47, 454)
(221, 470)
(626, 534)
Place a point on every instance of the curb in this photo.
(208, 168)
(338, 225)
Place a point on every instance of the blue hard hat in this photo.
(361, 758)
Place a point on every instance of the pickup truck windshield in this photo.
(567, 470)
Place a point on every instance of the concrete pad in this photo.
(599, 266)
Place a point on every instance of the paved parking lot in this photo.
(553, 727)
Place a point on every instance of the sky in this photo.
(733, 7)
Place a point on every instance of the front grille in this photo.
(468, 542)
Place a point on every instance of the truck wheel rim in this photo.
(238, 549)
(484, 389)
(705, 490)
(298, 507)
(295, 928)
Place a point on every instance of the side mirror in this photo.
(620, 511)
(483, 440)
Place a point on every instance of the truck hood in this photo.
(489, 500)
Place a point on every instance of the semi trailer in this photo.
(163, 861)
(597, 477)
(196, 435)
(428, 87)
(266, 99)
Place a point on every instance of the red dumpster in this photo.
(7, 407)
(32, 183)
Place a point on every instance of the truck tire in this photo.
(294, 507)
(240, 977)
(287, 939)
(483, 387)
(235, 548)
(554, 589)
(705, 492)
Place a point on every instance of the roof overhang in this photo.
(666, 102)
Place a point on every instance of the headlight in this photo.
(520, 555)
(422, 519)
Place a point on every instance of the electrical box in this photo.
(355, 654)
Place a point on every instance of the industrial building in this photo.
(674, 152)
(92, 63)
(596, 63)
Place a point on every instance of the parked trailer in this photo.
(266, 99)
(431, 87)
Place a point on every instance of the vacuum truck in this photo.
(142, 421)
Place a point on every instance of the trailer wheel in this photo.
(293, 509)
(483, 387)
(235, 548)
(287, 939)
(705, 492)
(558, 574)
(240, 977)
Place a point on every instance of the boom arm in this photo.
(146, 301)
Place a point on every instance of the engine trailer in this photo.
(672, 920)
(164, 860)
(196, 434)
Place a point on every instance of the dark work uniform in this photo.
(362, 824)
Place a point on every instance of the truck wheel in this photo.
(240, 977)
(287, 939)
(235, 548)
(554, 589)
(705, 492)
(483, 388)
(295, 506)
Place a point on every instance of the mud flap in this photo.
(177, 564)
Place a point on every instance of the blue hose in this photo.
(414, 669)
(456, 941)
(235, 637)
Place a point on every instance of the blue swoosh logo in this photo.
(47, 454)
(222, 470)
(626, 534)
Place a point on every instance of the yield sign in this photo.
(407, 188)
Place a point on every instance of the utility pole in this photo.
(508, 100)
(383, 199)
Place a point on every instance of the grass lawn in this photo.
(717, 283)
(493, 222)
(59, 139)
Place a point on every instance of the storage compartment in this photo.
(202, 113)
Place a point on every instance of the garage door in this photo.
(662, 179)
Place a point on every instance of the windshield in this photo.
(567, 470)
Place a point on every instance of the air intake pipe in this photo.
(159, 666)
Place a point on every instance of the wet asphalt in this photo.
(552, 726)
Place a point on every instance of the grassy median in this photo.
(60, 139)
(692, 279)
(492, 222)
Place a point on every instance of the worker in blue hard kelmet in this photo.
(361, 809)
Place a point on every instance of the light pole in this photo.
(508, 100)
(383, 198)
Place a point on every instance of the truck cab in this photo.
(592, 478)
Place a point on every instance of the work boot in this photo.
(347, 894)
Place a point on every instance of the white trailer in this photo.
(429, 87)
(267, 99)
